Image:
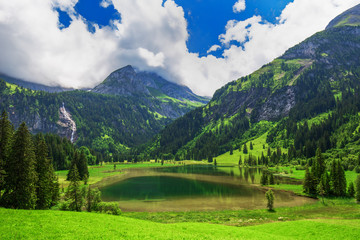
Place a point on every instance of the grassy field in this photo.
(23, 224)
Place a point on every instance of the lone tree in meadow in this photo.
(270, 200)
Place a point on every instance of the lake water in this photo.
(196, 187)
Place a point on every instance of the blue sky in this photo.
(78, 43)
(206, 18)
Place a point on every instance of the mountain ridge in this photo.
(305, 81)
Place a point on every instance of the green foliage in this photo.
(109, 208)
(93, 200)
(47, 187)
(6, 132)
(357, 189)
(21, 178)
(73, 194)
(351, 190)
(269, 195)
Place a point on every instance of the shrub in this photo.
(357, 169)
(109, 208)
(64, 206)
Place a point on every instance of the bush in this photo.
(64, 206)
(357, 169)
(109, 208)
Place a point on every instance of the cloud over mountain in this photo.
(152, 35)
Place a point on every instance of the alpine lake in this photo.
(194, 188)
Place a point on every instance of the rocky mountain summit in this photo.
(129, 82)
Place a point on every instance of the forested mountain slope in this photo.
(319, 75)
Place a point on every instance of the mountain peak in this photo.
(350, 17)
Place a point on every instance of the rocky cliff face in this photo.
(36, 123)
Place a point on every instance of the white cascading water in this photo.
(72, 123)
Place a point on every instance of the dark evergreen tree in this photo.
(245, 150)
(309, 186)
(73, 163)
(351, 190)
(325, 179)
(45, 187)
(251, 146)
(321, 190)
(74, 194)
(21, 178)
(83, 167)
(318, 167)
(231, 150)
(93, 199)
(357, 188)
(338, 180)
(6, 132)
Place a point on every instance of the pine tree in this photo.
(20, 188)
(251, 146)
(73, 163)
(270, 200)
(93, 199)
(6, 133)
(338, 179)
(325, 179)
(357, 188)
(74, 194)
(231, 150)
(351, 190)
(45, 189)
(83, 167)
(245, 151)
(318, 168)
(309, 186)
(321, 191)
(240, 161)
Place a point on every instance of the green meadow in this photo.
(23, 224)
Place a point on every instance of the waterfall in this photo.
(71, 122)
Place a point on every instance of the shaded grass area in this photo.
(22, 224)
(333, 208)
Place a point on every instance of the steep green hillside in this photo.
(22, 224)
(109, 124)
(319, 75)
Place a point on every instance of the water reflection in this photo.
(193, 187)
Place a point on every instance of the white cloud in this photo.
(106, 3)
(151, 36)
(239, 6)
(213, 48)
